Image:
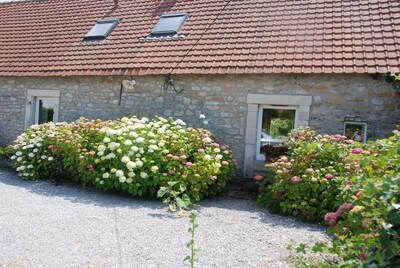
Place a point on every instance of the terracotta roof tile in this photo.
(44, 38)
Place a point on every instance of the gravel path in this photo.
(43, 225)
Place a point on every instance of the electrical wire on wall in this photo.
(168, 80)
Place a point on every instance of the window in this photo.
(42, 107)
(274, 124)
(272, 114)
(45, 108)
(101, 30)
(356, 131)
(169, 25)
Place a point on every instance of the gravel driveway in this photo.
(43, 225)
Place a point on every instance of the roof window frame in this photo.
(104, 36)
(169, 33)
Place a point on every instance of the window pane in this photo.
(169, 24)
(100, 29)
(276, 124)
(46, 111)
(355, 131)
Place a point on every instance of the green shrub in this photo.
(307, 181)
(368, 231)
(354, 187)
(130, 155)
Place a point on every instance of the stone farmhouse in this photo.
(254, 68)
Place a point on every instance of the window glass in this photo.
(101, 30)
(169, 24)
(356, 131)
(276, 124)
(45, 110)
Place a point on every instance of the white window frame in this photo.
(356, 123)
(260, 156)
(30, 108)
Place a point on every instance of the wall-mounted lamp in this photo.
(170, 82)
(129, 84)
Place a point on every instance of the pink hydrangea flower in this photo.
(171, 172)
(331, 216)
(329, 176)
(356, 151)
(343, 207)
(338, 136)
(309, 170)
(189, 164)
(200, 151)
(295, 179)
(258, 178)
(216, 145)
(183, 156)
(359, 194)
(51, 147)
(175, 157)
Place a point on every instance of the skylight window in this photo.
(101, 30)
(169, 25)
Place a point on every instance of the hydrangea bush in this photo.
(354, 188)
(132, 155)
(306, 181)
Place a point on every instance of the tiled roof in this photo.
(44, 37)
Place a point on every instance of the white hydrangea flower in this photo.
(125, 159)
(43, 157)
(165, 151)
(131, 174)
(106, 175)
(202, 116)
(207, 140)
(139, 140)
(106, 140)
(143, 175)
(30, 166)
(134, 148)
(122, 179)
(113, 146)
(154, 169)
(168, 131)
(38, 144)
(22, 168)
(205, 122)
(128, 142)
(31, 155)
(153, 147)
(182, 131)
(119, 173)
(179, 122)
(35, 150)
(129, 180)
(218, 165)
(97, 161)
(131, 165)
(101, 182)
(13, 157)
(207, 157)
(113, 170)
(101, 148)
(217, 150)
(50, 158)
(133, 134)
(139, 163)
(110, 155)
(218, 156)
(118, 132)
(161, 131)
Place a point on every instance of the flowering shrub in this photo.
(352, 187)
(367, 226)
(272, 152)
(130, 155)
(307, 180)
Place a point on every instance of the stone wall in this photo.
(222, 98)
